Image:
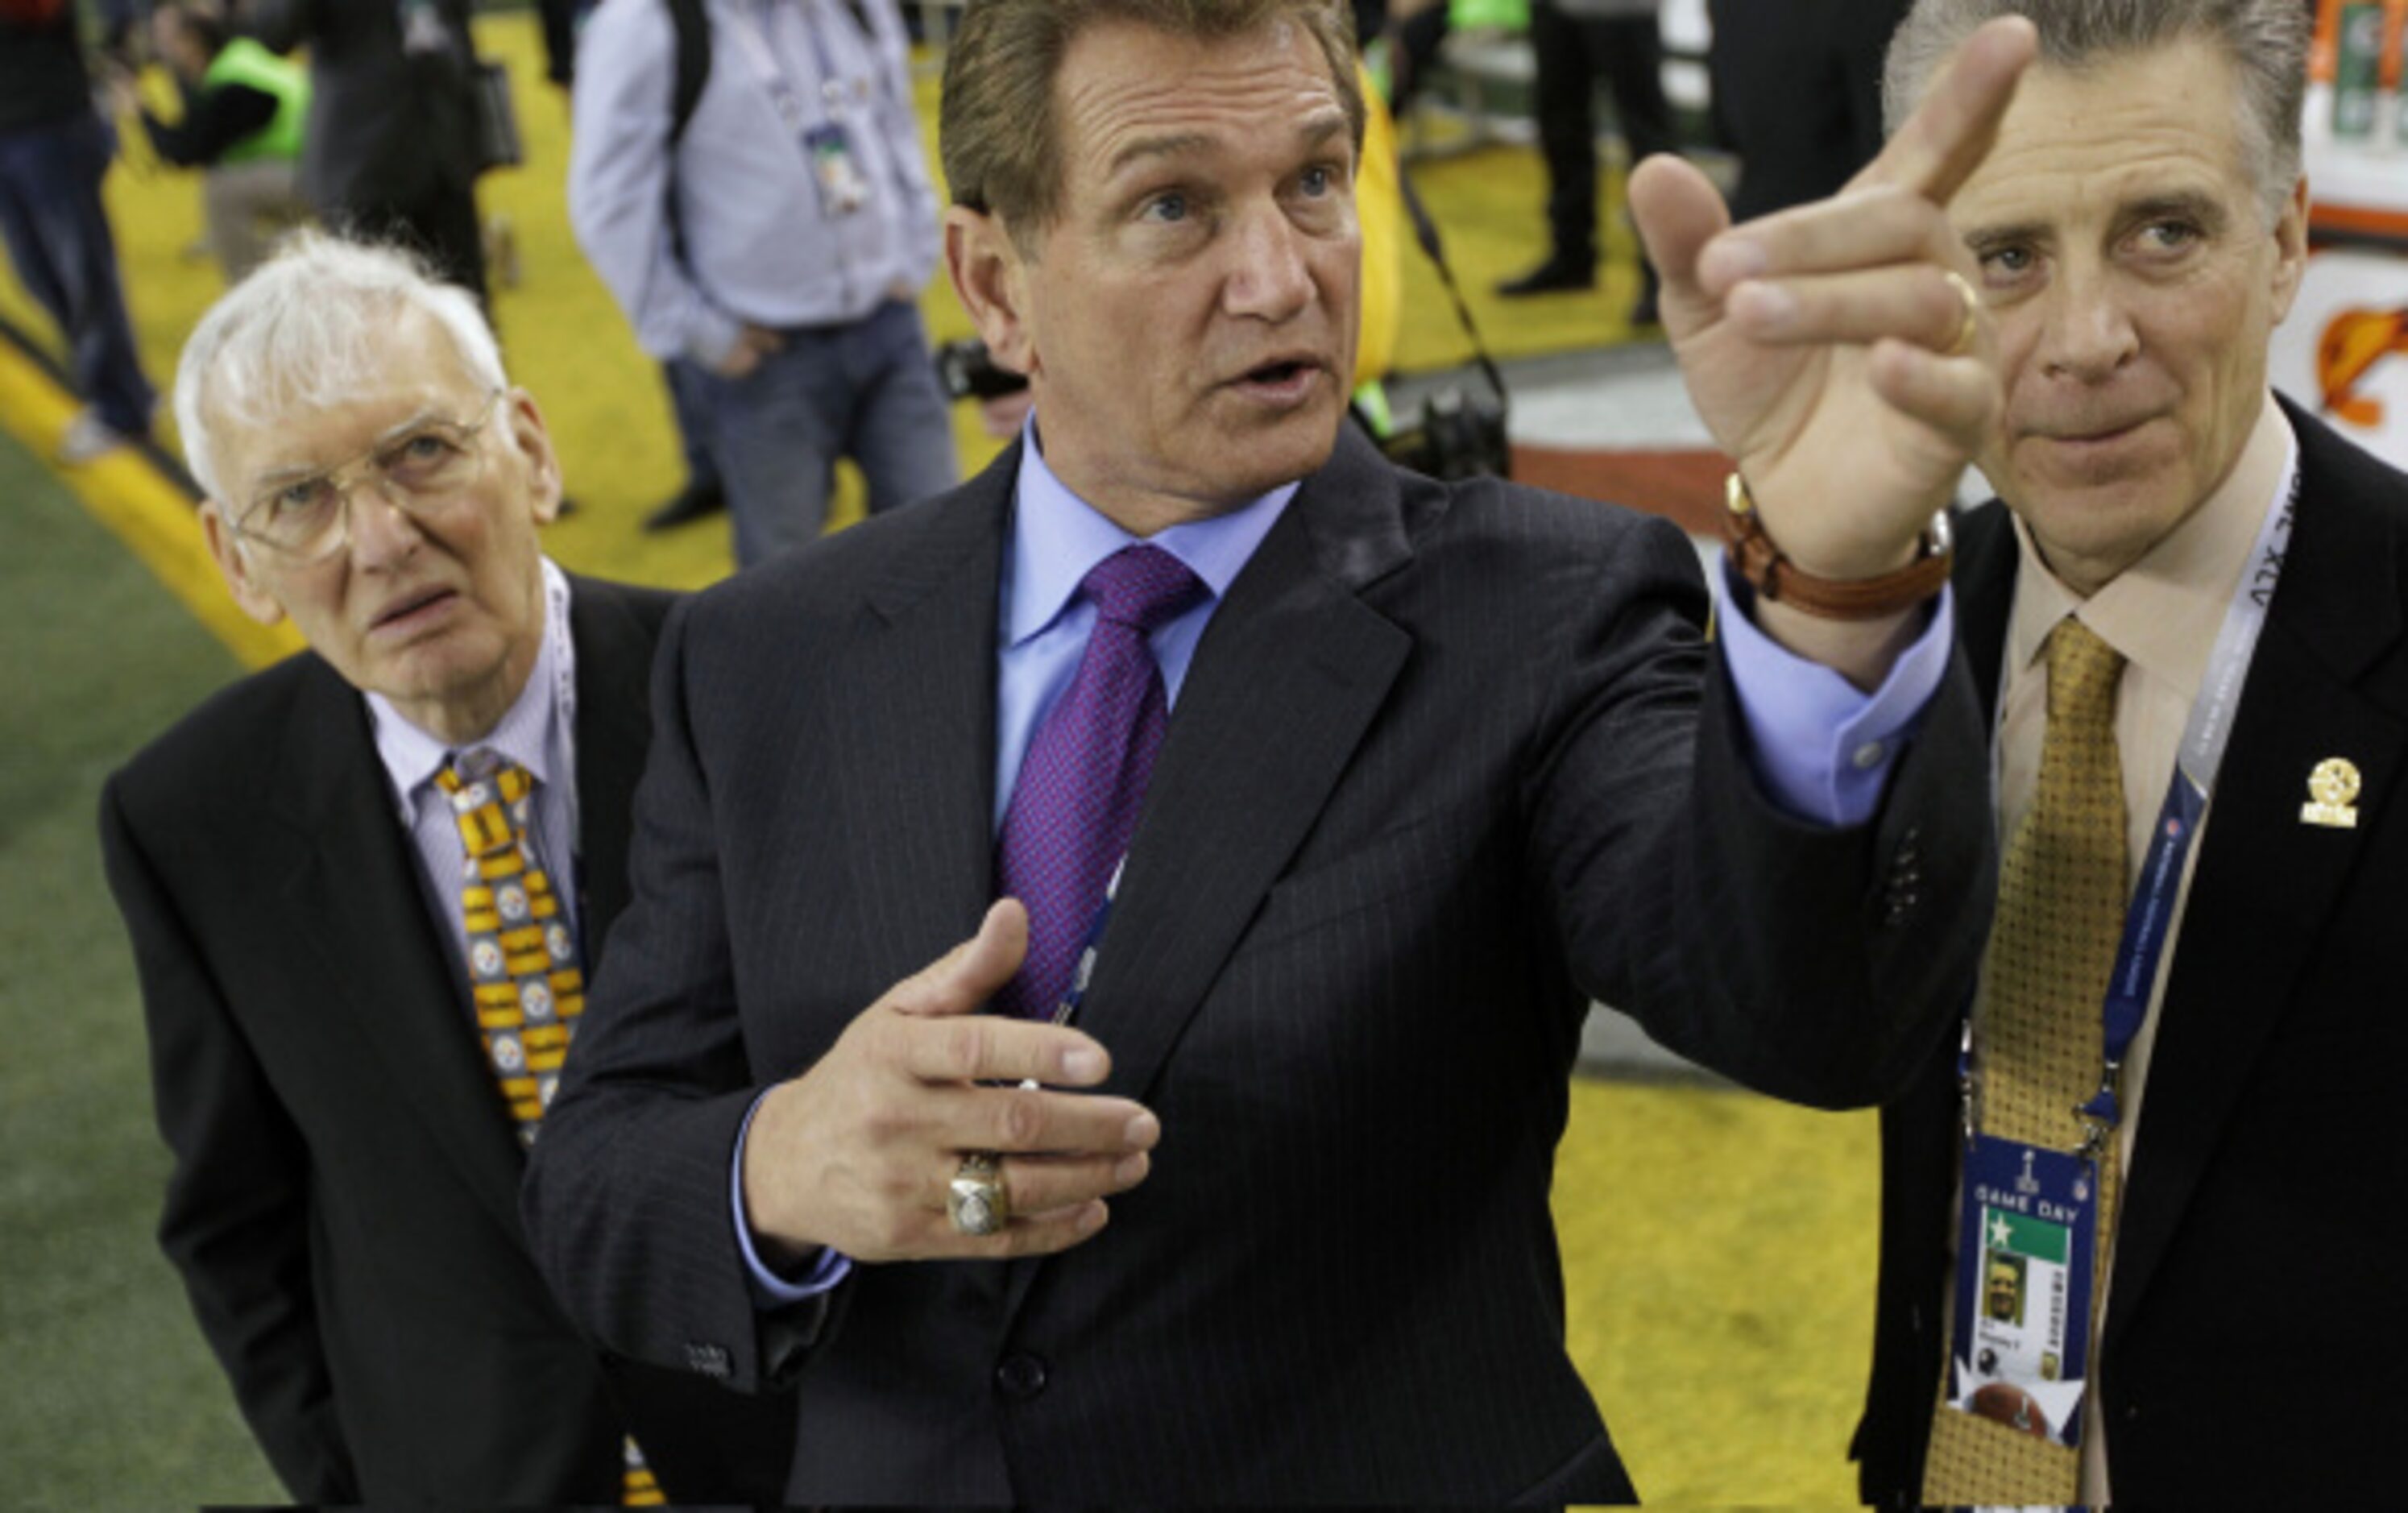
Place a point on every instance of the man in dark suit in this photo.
(1401, 772)
(390, 149)
(2141, 227)
(289, 862)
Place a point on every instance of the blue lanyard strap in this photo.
(2148, 921)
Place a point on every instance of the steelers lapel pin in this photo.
(2332, 795)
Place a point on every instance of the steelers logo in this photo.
(513, 901)
(485, 958)
(507, 1052)
(536, 999)
(557, 938)
(472, 797)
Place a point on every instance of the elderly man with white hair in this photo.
(365, 888)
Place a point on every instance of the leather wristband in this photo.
(1764, 568)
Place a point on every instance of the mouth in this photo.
(413, 611)
(2087, 436)
(1283, 382)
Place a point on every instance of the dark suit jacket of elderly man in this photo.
(2254, 1318)
(1449, 758)
(344, 1204)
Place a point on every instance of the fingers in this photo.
(964, 978)
(1039, 1186)
(1937, 147)
(1865, 228)
(1919, 305)
(1956, 397)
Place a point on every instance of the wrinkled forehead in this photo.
(284, 411)
(2127, 130)
(1129, 94)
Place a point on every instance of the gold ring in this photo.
(1968, 330)
(975, 1201)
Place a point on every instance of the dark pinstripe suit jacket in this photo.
(1449, 759)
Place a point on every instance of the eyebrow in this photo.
(1323, 126)
(292, 471)
(2205, 208)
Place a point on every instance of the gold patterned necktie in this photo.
(525, 969)
(2062, 894)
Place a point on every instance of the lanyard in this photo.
(2150, 916)
(781, 91)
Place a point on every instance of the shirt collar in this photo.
(2163, 612)
(1058, 538)
(412, 757)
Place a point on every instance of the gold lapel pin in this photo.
(2332, 795)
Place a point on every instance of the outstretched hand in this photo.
(1822, 345)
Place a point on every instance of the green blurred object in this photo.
(1491, 15)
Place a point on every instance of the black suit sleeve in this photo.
(214, 121)
(235, 1223)
(651, 1105)
(1817, 965)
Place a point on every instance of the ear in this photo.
(988, 274)
(531, 446)
(234, 565)
(2290, 248)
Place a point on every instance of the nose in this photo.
(2087, 333)
(382, 533)
(1269, 276)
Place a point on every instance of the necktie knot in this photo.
(1141, 587)
(2083, 672)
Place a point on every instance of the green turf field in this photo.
(111, 1401)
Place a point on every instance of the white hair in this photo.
(2266, 42)
(313, 326)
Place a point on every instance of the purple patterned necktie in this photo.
(1075, 806)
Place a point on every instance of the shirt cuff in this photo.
(771, 1291)
(1822, 748)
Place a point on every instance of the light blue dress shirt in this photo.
(1821, 748)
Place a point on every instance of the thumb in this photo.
(964, 978)
(1678, 212)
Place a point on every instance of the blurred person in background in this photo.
(1796, 92)
(1577, 41)
(775, 238)
(389, 151)
(363, 889)
(243, 113)
(2175, 1101)
(54, 150)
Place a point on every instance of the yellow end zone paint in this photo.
(143, 510)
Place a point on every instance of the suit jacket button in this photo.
(1020, 1376)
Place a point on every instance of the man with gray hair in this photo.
(364, 887)
(2169, 1112)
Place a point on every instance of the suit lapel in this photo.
(1985, 597)
(1288, 676)
(613, 728)
(916, 748)
(355, 902)
(2266, 882)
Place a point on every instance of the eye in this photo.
(2169, 236)
(1167, 208)
(2004, 265)
(1318, 181)
(420, 455)
(298, 498)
